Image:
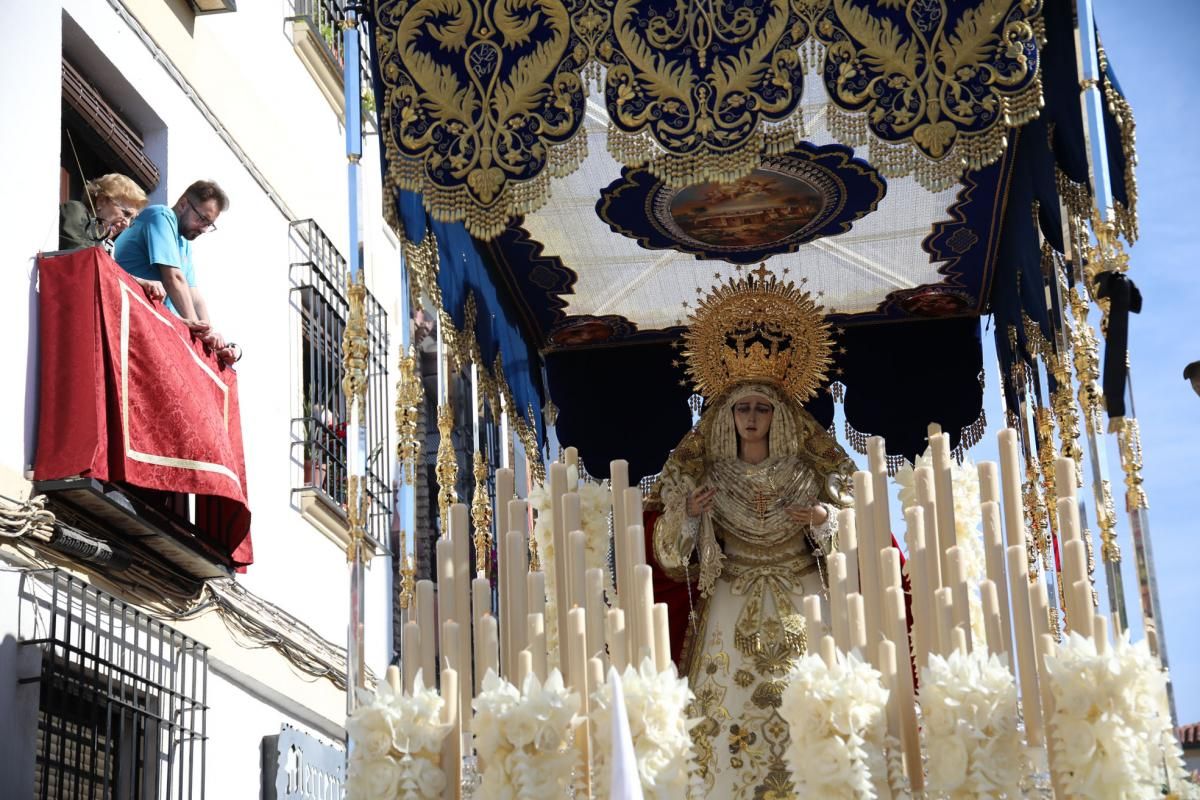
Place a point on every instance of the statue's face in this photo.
(752, 417)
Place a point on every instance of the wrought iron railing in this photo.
(122, 705)
(325, 17)
(319, 433)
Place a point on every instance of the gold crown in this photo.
(757, 328)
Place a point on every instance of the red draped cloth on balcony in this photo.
(126, 394)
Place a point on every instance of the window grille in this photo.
(319, 433)
(122, 709)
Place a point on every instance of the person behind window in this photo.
(158, 247)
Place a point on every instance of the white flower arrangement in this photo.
(838, 725)
(968, 533)
(593, 517)
(395, 745)
(1111, 732)
(524, 739)
(969, 708)
(656, 704)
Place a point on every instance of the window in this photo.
(122, 710)
(318, 278)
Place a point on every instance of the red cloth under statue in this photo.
(127, 395)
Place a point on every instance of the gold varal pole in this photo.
(354, 386)
(409, 397)
(446, 468)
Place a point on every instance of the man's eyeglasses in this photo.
(209, 225)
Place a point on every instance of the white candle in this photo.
(858, 623)
(662, 638)
(446, 596)
(577, 571)
(924, 630)
(524, 667)
(991, 619)
(958, 585)
(1083, 613)
(885, 655)
(943, 487)
(481, 606)
(619, 481)
(848, 544)
(487, 651)
(595, 612)
(944, 608)
(595, 673)
(994, 556)
(410, 652)
(1010, 474)
(989, 482)
(828, 651)
(910, 739)
(618, 639)
(516, 546)
(536, 636)
(1068, 519)
(643, 584)
(452, 744)
(889, 567)
(576, 631)
(868, 558)
(571, 456)
(572, 511)
(1064, 477)
(535, 589)
(504, 493)
(927, 500)
(460, 536)
(837, 601)
(633, 516)
(1100, 633)
(812, 617)
(882, 521)
(558, 488)
(1018, 583)
(426, 618)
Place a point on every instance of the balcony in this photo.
(139, 430)
(316, 28)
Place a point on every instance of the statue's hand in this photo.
(700, 501)
(809, 515)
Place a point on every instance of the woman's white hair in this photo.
(722, 437)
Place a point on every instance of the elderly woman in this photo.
(110, 203)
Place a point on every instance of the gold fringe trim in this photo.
(1118, 106)
(463, 348)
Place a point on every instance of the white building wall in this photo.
(244, 68)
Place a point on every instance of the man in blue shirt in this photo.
(158, 247)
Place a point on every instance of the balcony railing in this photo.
(139, 429)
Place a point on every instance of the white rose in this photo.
(520, 727)
(372, 778)
(1077, 740)
(430, 779)
(371, 731)
(948, 764)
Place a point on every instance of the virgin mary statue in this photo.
(748, 502)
